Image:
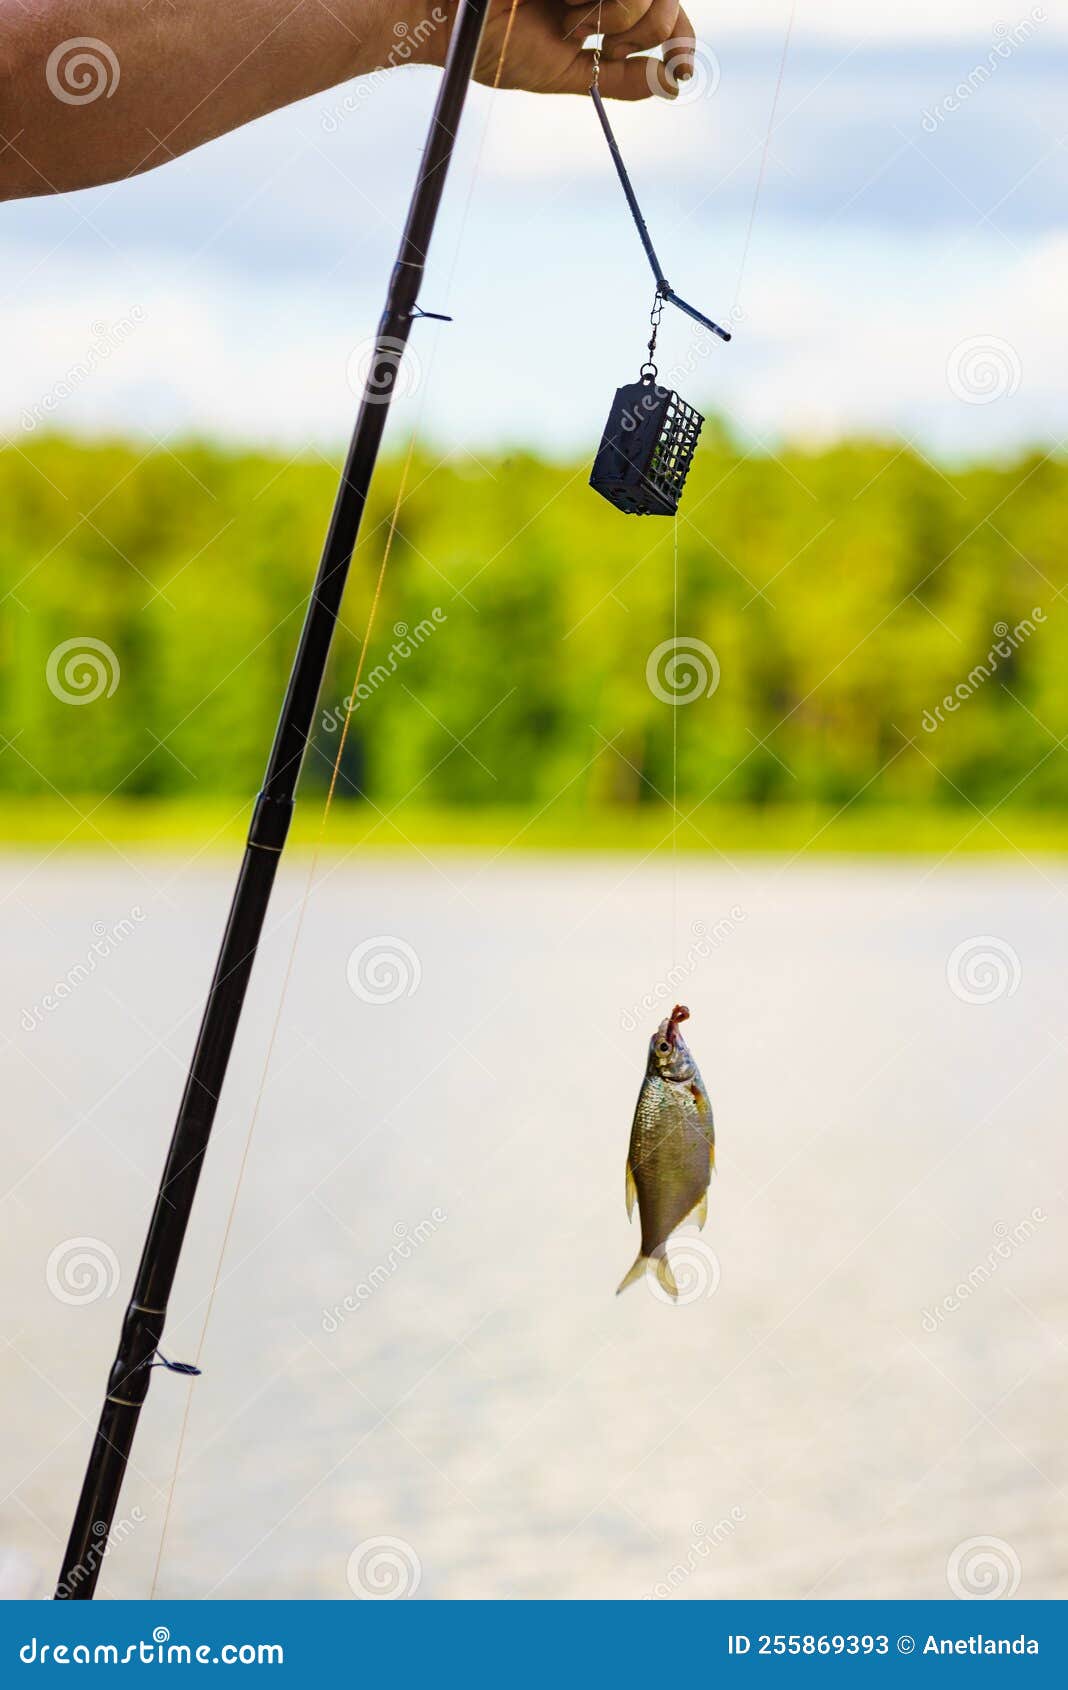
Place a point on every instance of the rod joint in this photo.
(270, 822)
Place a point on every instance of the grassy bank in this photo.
(193, 826)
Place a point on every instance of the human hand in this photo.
(541, 43)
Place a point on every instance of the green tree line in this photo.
(882, 628)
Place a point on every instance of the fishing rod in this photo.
(142, 1328)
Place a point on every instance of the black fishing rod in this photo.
(142, 1327)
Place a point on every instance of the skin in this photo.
(190, 70)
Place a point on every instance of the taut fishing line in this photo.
(317, 850)
(641, 469)
(651, 433)
(674, 750)
(764, 152)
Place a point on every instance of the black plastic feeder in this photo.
(647, 448)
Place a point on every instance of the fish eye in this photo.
(663, 1047)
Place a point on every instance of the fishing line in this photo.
(335, 775)
(283, 996)
(762, 171)
(675, 749)
(310, 881)
(764, 154)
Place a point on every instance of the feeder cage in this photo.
(648, 443)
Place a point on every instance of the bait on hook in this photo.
(641, 467)
(650, 436)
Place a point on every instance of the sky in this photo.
(895, 263)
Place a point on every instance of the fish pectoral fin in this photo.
(636, 1272)
(667, 1278)
(632, 1193)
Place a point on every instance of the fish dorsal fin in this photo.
(632, 1193)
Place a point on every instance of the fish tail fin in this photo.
(636, 1272)
(666, 1277)
(659, 1260)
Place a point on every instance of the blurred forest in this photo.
(845, 593)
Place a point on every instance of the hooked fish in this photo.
(672, 1149)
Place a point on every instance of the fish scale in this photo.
(670, 1160)
(672, 1148)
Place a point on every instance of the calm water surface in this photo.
(415, 1336)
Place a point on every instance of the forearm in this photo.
(94, 90)
(163, 76)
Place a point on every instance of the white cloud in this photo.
(845, 20)
(826, 360)
(259, 262)
(813, 359)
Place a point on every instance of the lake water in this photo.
(416, 1338)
